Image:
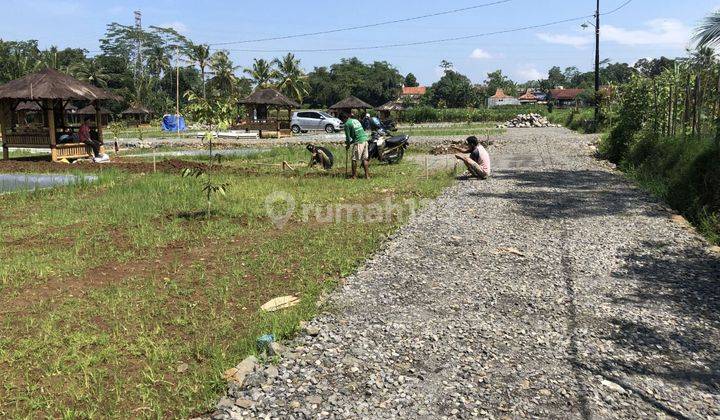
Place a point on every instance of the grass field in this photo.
(107, 288)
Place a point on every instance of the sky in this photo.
(642, 29)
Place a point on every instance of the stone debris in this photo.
(527, 121)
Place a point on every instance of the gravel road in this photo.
(554, 289)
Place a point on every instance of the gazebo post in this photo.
(51, 128)
(277, 120)
(98, 120)
(5, 123)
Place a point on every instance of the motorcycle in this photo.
(386, 148)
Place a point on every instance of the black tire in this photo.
(396, 158)
(329, 155)
(295, 129)
(329, 129)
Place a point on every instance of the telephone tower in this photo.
(138, 43)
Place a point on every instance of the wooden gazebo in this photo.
(51, 91)
(137, 114)
(349, 104)
(90, 111)
(258, 116)
(388, 108)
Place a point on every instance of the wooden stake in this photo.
(154, 166)
(427, 170)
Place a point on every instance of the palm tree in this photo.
(707, 34)
(90, 71)
(200, 55)
(261, 73)
(224, 72)
(158, 60)
(291, 79)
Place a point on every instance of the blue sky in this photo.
(644, 28)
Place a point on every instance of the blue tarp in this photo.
(172, 122)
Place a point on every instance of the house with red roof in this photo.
(564, 98)
(413, 92)
(528, 97)
(500, 98)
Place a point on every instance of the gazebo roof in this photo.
(51, 84)
(269, 96)
(391, 106)
(138, 110)
(351, 102)
(90, 110)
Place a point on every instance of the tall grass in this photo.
(685, 172)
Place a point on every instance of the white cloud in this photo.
(178, 26)
(529, 73)
(572, 40)
(662, 32)
(480, 54)
(668, 32)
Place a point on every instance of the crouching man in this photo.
(478, 163)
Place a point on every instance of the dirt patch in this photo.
(44, 166)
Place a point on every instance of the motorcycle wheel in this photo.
(397, 157)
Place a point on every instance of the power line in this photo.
(617, 8)
(416, 43)
(373, 25)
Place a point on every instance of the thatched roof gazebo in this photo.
(138, 114)
(257, 117)
(90, 111)
(51, 91)
(349, 104)
(385, 110)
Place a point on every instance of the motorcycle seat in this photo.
(396, 140)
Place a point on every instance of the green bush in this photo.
(685, 172)
(574, 119)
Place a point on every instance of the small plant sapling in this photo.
(209, 189)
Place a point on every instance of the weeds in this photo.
(105, 291)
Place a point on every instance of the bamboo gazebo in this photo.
(51, 91)
(137, 115)
(91, 111)
(349, 104)
(388, 108)
(258, 116)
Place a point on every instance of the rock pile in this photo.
(527, 121)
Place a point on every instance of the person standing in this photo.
(84, 137)
(356, 137)
(478, 163)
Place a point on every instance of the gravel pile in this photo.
(528, 121)
(554, 289)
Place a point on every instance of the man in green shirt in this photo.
(356, 137)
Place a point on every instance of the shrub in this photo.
(682, 171)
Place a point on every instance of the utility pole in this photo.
(138, 52)
(597, 63)
(177, 91)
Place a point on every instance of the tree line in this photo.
(210, 83)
